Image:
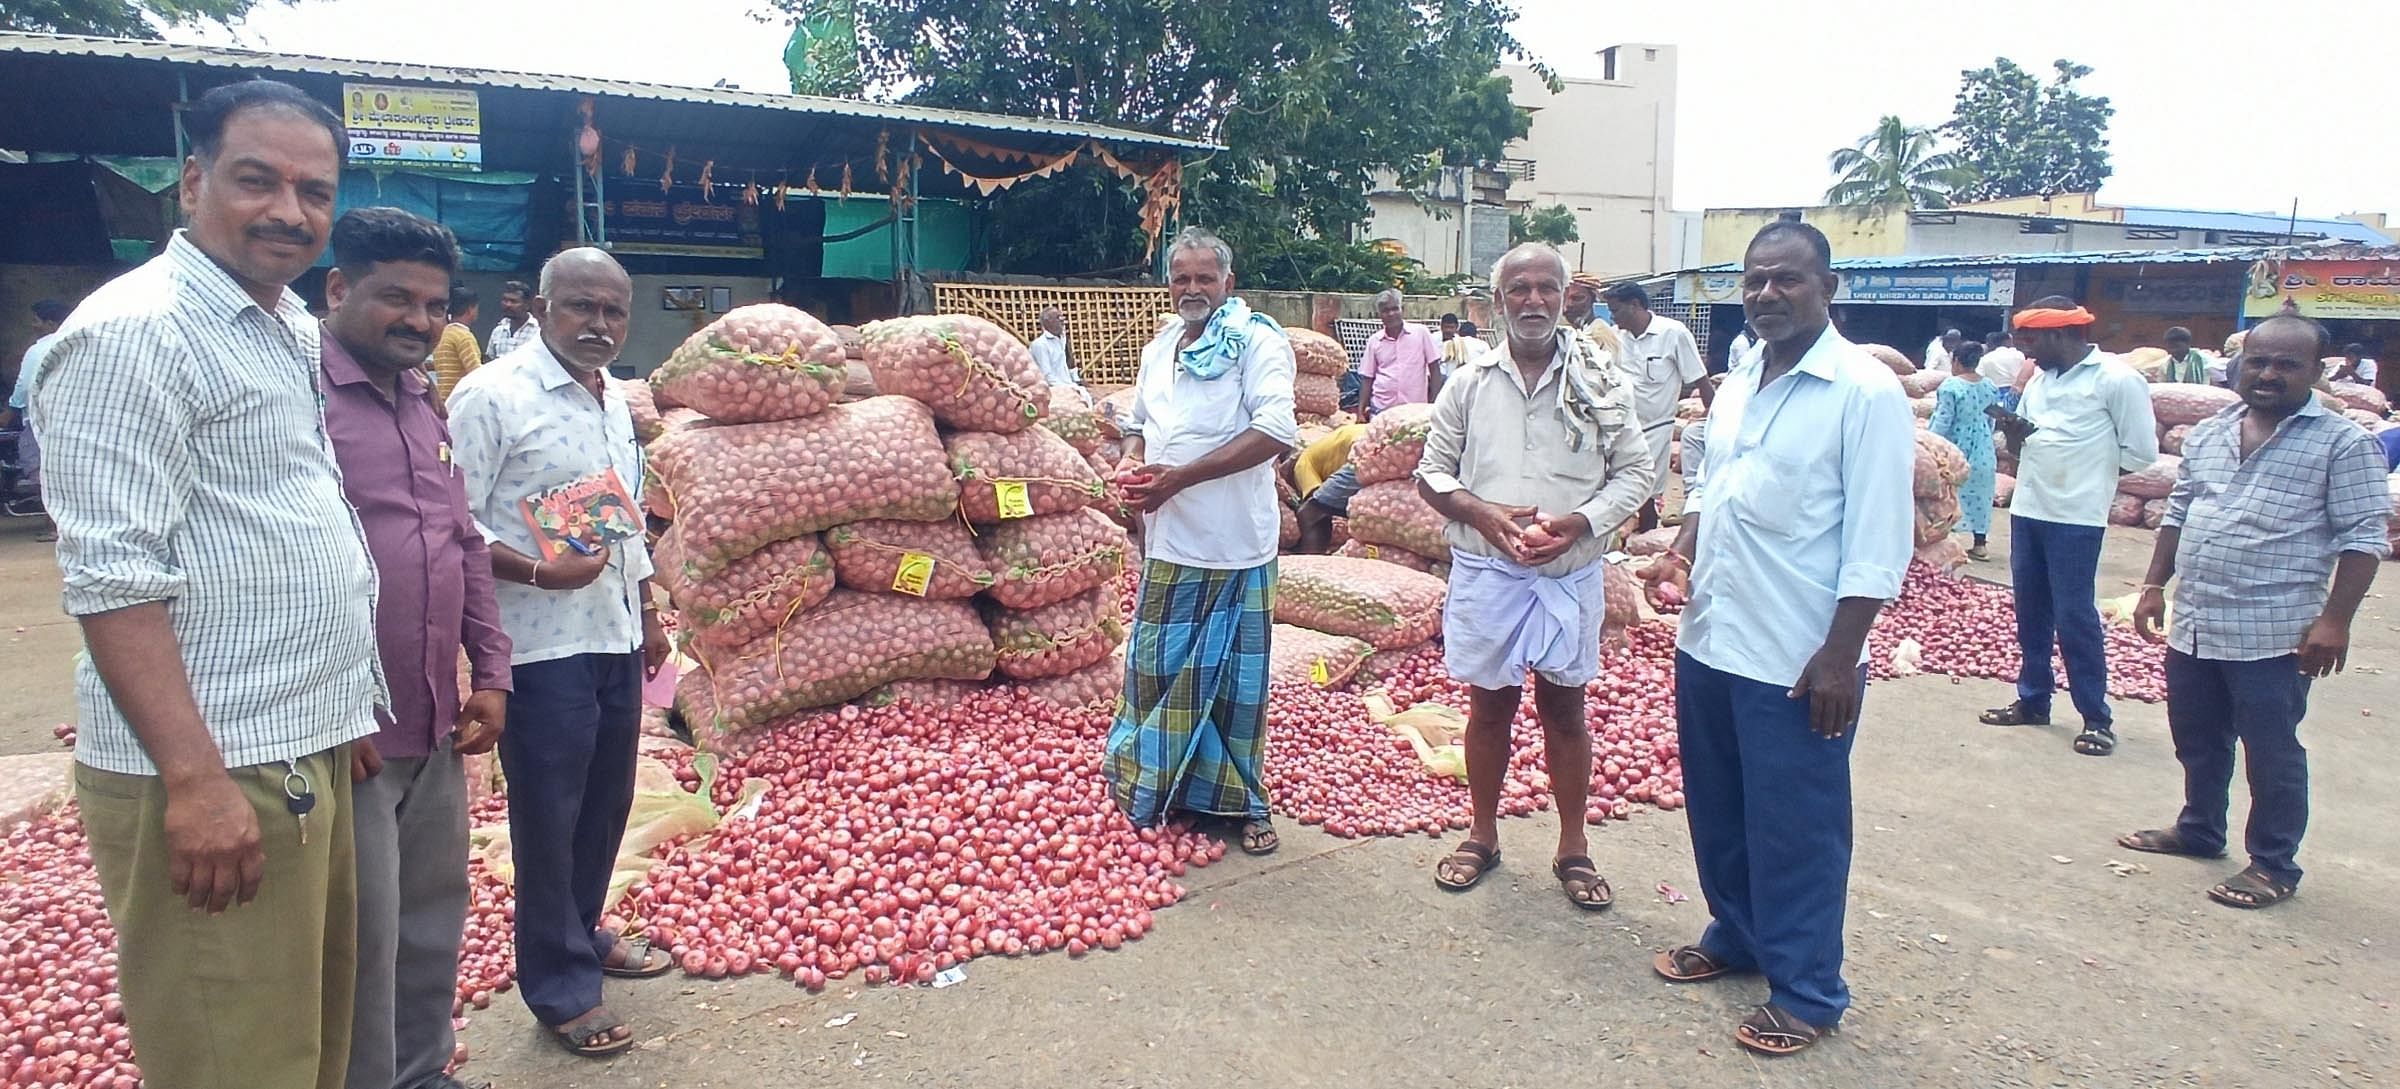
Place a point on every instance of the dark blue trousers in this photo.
(1769, 805)
(573, 724)
(2210, 705)
(2056, 568)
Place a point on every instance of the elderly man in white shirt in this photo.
(1050, 351)
(1211, 413)
(2084, 419)
(2001, 364)
(584, 632)
(1534, 456)
(1797, 536)
(1660, 356)
(1939, 350)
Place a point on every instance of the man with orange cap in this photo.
(2084, 419)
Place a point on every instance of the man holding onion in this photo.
(1796, 532)
(1212, 411)
(584, 633)
(1534, 455)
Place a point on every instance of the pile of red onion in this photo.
(61, 1024)
(896, 842)
(1969, 629)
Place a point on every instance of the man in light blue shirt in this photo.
(48, 315)
(1797, 534)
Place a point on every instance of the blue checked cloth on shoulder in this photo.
(1191, 727)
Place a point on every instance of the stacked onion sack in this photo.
(1388, 519)
(1941, 468)
(1317, 387)
(1335, 615)
(2175, 406)
(1046, 562)
(767, 496)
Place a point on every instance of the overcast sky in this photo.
(1767, 88)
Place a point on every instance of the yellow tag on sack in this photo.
(1318, 675)
(1374, 553)
(916, 570)
(1013, 501)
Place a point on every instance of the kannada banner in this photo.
(435, 128)
(2325, 289)
(678, 224)
(1901, 287)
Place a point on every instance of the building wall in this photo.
(1725, 232)
(1974, 235)
(1427, 232)
(1605, 148)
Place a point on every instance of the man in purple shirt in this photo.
(390, 297)
(1403, 363)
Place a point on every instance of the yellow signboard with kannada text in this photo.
(2324, 289)
(435, 128)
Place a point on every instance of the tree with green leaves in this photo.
(1897, 166)
(1554, 225)
(2030, 138)
(118, 18)
(1310, 100)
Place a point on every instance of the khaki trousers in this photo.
(259, 996)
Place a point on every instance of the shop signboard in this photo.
(1894, 287)
(430, 128)
(683, 224)
(2325, 289)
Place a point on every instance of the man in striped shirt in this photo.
(517, 326)
(227, 602)
(2275, 495)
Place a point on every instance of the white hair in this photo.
(1545, 249)
(1201, 238)
(576, 256)
(1391, 295)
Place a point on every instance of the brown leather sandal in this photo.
(1688, 964)
(1465, 865)
(1585, 887)
(1771, 1031)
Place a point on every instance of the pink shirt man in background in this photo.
(1402, 363)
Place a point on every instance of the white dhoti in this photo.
(1501, 619)
(1661, 437)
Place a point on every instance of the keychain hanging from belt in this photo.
(299, 795)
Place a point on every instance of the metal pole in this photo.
(183, 140)
(582, 234)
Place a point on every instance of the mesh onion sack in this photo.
(1393, 444)
(1019, 475)
(1073, 417)
(1393, 515)
(894, 557)
(1051, 557)
(1357, 549)
(752, 596)
(1304, 656)
(1315, 353)
(642, 405)
(760, 362)
(1385, 604)
(1098, 683)
(2176, 404)
(847, 646)
(1058, 638)
(1316, 394)
(970, 372)
(739, 487)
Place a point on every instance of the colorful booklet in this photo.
(582, 516)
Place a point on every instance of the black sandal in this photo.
(2250, 890)
(1470, 858)
(1771, 1031)
(2012, 715)
(1688, 964)
(593, 1039)
(2163, 841)
(1259, 838)
(637, 953)
(2096, 742)
(1584, 886)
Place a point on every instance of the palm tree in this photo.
(1897, 166)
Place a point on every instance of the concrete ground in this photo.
(1991, 943)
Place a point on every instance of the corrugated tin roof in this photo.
(68, 45)
(2253, 223)
(2229, 254)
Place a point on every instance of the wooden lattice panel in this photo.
(1106, 326)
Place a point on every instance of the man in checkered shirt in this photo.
(2276, 494)
(227, 601)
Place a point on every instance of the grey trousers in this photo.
(412, 914)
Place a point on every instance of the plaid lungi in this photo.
(1191, 728)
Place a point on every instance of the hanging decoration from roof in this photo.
(708, 188)
(666, 181)
(750, 193)
(587, 138)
